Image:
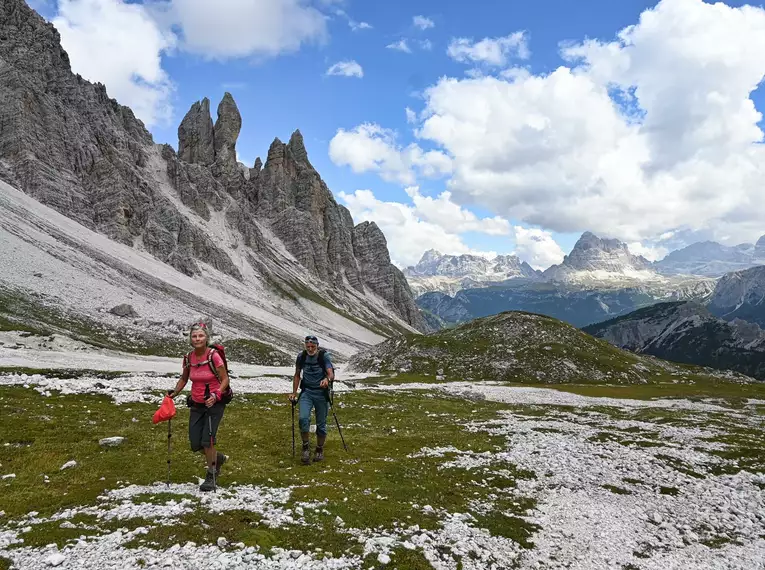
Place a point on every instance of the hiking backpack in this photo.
(321, 360)
(228, 394)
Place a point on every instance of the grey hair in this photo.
(200, 326)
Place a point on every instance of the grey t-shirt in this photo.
(312, 372)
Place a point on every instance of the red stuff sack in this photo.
(165, 412)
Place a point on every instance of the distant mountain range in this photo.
(450, 273)
(594, 262)
(600, 279)
(711, 259)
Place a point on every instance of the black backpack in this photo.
(322, 362)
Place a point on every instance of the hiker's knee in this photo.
(196, 446)
(305, 423)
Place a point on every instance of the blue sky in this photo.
(289, 88)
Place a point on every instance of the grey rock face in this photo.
(303, 213)
(688, 332)
(591, 253)
(67, 144)
(196, 138)
(741, 295)
(227, 129)
(74, 149)
(382, 277)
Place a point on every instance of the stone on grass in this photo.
(111, 441)
(68, 464)
(55, 559)
(123, 310)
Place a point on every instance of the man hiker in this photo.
(318, 372)
(205, 368)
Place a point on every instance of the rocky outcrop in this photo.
(740, 295)
(227, 129)
(66, 143)
(597, 258)
(689, 333)
(382, 277)
(291, 196)
(196, 137)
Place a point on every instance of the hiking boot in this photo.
(318, 454)
(208, 482)
(306, 455)
(219, 461)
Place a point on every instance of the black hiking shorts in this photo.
(200, 418)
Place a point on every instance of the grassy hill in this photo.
(521, 347)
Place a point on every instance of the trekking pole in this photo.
(169, 435)
(293, 402)
(331, 407)
(209, 424)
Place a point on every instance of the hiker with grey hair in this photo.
(318, 372)
(206, 369)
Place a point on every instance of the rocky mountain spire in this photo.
(227, 129)
(297, 147)
(196, 137)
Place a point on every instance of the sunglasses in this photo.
(312, 339)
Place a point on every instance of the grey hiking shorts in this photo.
(200, 420)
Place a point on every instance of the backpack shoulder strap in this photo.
(301, 359)
(187, 361)
(210, 362)
(322, 362)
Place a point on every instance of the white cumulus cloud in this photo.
(121, 46)
(445, 213)
(121, 43)
(346, 68)
(537, 247)
(423, 23)
(654, 132)
(651, 253)
(407, 235)
(412, 229)
(232, 28)
(370, 147)
(495, 52)
(400, 45)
